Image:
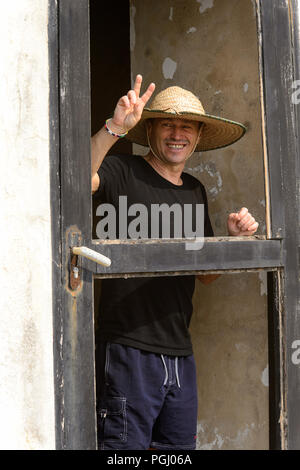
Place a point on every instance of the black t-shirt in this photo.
(149, 313)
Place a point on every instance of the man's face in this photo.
(173, 140)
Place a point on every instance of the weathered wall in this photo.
(210, 47)
(26, 341)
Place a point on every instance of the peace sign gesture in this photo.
(130, 107)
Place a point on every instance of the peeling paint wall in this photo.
(210, 47)
(26, 337)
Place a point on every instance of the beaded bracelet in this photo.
(113, 133)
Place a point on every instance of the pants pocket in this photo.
(112, 419)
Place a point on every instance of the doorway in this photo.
(229, 353)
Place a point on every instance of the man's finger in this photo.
(242, 212)
(253, 227)
(137, 85)
(233, 216)
(246, 220)
(132, 97)
(138, 109)
(148, 93)
(124, 102)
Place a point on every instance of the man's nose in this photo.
(176, 133)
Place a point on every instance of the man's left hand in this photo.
(241, 223)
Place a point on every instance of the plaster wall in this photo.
(210, 47)
(26, 337)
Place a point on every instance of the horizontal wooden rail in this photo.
(171, 256)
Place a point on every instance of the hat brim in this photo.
(217, 132)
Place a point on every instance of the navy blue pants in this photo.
(145, 400)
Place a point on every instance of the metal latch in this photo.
(74, 273)
(75, 270)
(92, 255)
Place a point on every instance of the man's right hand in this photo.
(126, 115)
(129, 108)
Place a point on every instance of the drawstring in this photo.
(164, 363)
(176, 371)
(166, 370)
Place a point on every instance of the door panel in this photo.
(76, 387)
(74, 318)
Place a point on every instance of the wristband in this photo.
(113, 133)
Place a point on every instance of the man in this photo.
(146, 381)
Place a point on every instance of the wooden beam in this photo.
(281, 68)
(75, 339)
(142, 256)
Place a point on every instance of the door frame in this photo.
(278, 253)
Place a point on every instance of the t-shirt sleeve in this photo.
(113, 174)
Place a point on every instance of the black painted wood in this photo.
(276, 69)
(291, 183)
(280, 33)
(275, 362)
(157, 256)
(76, 335)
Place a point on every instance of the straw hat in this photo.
(176, 102)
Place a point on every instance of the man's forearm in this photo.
(101, 143)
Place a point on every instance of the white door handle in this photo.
(92, 255)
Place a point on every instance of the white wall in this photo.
(26, 341)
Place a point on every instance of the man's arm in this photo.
(126, 115)
(239, 224)
(100, 145)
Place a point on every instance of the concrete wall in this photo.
(210, 47)
(26, 341)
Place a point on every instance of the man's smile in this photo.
(175, 146)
